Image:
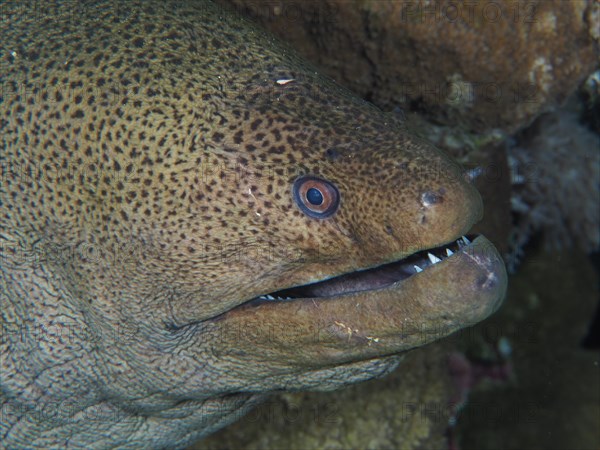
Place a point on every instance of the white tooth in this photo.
(288, 298)
(449, 252)
(418, 269)
(434, 259)
(466, 241)
(269, 297)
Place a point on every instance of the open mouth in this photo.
(371, 279)
(378, 311)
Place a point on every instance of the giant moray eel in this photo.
(192, 218)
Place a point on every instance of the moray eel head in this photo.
(376, 261)
(216, 221)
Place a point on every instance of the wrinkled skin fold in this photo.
(149, 155)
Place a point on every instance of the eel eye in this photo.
(316, 198)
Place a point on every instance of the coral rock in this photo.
(556, 176)
(478, 64)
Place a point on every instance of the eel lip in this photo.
(347, 324)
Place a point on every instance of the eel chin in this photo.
(376, 312)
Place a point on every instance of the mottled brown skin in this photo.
(149, 154)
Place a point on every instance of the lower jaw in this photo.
(459, 291)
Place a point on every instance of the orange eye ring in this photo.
(316, 197)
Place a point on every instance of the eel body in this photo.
(192, 217)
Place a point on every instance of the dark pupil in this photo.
(314, 196)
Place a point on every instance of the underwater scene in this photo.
(283, 224)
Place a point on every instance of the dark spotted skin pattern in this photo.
(148, 157)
